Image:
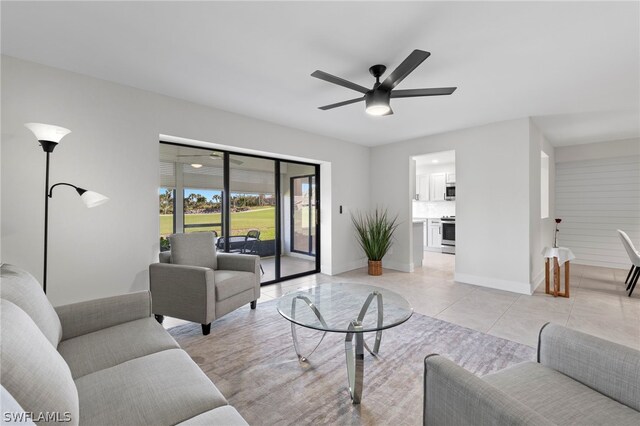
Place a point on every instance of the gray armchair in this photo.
(577, 379)
(194, 283)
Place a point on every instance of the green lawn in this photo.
(262, 218)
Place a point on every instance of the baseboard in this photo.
(398, 266)
(498, 284)
(601, 264)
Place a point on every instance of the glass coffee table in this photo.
(345, 308)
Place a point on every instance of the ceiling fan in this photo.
(214, 156)
(377, 98)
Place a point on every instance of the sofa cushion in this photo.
(162, 388)
(114, 345)
(22, 289)
(225, 415)
(559, 398)
(230, 283)
(32, 371)
(195, 249)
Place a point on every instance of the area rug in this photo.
(249, 355)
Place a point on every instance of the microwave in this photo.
(450, 192)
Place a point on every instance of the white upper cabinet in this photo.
(422, 188)
(437, 186)
(451, 178)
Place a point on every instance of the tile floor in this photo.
(598, 304)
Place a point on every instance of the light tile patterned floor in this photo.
(598, 303)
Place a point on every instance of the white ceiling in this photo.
(574, 66)
(443, 157)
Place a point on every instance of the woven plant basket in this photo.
(375, 267)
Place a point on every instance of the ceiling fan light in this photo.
(196, 165)
(377, 102)
(377, 109)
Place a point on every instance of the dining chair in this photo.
(634, 257)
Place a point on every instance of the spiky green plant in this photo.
(375, 232)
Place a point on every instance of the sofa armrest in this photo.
(607, 367)
(239, 262)
(183, 291)
(93, 315)
(454, 396)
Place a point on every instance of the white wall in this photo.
(598, 192)
(114, 150)
(540, 230)
(492, 200)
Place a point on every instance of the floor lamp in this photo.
(49, 136)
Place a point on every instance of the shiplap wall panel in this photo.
(594, 198)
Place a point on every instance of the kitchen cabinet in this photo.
(437, 184)
(422, 188)
(434, 234)
(451, 178)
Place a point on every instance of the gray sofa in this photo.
(578, 379)
(100, 362)
(194, 283)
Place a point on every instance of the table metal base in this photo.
(354, 358)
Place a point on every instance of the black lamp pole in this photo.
(48, 147)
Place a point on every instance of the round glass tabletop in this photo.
(335, 306)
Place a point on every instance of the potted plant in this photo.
(375, 232)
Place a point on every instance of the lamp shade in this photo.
(47, 132)
(93, 199)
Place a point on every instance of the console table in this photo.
(561, 256)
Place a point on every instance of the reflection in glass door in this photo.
(299, 205)
(303, 209)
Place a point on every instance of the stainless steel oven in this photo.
(448, 234)
(450, 192)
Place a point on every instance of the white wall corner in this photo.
(506, 285)
(536, 281)
(339, 268)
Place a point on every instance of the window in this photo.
(544, 185)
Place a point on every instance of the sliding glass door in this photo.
(252, 210)
(255, 205)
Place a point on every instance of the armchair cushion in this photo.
(22, 289)
(114, 345)
(559, 398)
(195, 249)
(230, 283)
(607, 367)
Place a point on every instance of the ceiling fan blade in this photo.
(339, 81)
(404, 69)
(410, 93)
(339, 104)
